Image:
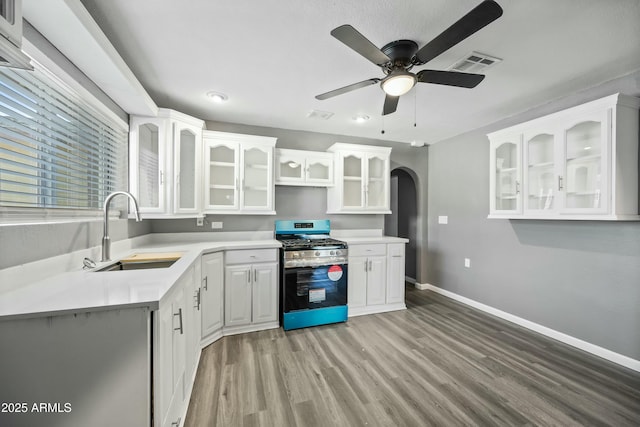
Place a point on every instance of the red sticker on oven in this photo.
(334, 272)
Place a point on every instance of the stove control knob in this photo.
(317, 253)
(332, 253)
(338, 252)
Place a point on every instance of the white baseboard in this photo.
(551, 333)
(414, 282)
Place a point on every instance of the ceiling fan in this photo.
(397, 58)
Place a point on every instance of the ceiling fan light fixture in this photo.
(398, 83)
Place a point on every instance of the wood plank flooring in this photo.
(438, 363)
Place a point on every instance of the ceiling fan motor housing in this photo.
(401, 53)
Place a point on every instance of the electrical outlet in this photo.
(216, 225)
(443, 219)
(467, 262)
(200, 221)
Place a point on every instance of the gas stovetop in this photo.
(301, 243)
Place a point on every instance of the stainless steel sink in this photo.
(137, 265)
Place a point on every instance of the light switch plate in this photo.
(216, 225)
(443, 219)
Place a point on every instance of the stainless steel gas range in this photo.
(313, 274)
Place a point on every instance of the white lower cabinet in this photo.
(212, 296)
(395, 273)
(376, 278)
(169, 359)
(250, 290)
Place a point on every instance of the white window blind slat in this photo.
(56, 151)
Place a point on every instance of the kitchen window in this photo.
(57, 152)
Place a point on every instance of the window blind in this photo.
(56, 151)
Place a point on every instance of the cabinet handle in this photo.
(196, 298)
(370, 265)
(177, 422)
(255, 275)
(517, 187)
(179, 314)
(560, 183)
(206, 282)
(365, 265)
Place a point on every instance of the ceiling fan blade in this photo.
(479, 17)
(390, 104)
(356, 41)
(346, 89)
(450, 78)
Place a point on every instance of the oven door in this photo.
(306, 288)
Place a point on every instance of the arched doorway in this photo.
(403, 221)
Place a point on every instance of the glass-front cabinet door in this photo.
(376, 191)
(585, 180)
(506, 177)
(352, 180)
(187, 148)
(147, 162)
(290, 167)
(221, 175)
(257, 181)
(540, 172)
(319, 169)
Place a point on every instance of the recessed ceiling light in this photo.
(217, 97)
(361, 118)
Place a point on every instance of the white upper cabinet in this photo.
(580, 163)
(298, 167)
(361, 183)
(238, 173)
(506, 178)
(164, 163)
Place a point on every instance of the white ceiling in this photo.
(271, 57)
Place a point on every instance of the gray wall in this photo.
(581, 278)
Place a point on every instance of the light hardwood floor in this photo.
(437, 363)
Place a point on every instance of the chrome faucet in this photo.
(106, 241)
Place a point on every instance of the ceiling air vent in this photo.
(474, 62)
(321, 115)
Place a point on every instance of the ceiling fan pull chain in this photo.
(415, 108)
(382, 132)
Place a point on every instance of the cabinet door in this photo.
(319, 170)
(192, 319)
(212, 293)
(237, 296)
(357, 282)
(352, 180)
(541, 174)
(265, 293)
(187, 147)
(179, 345)
(147, 163)
(377, 184)
(395, 273)
(506, 196)
(290, 167)
(163, 370)
(376, 280)
(585, 179)
(257, 178)
(221, 175)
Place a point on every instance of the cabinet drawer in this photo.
(250, 256)
(367, 250)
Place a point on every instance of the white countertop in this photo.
(85, 291)
(372, 239)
